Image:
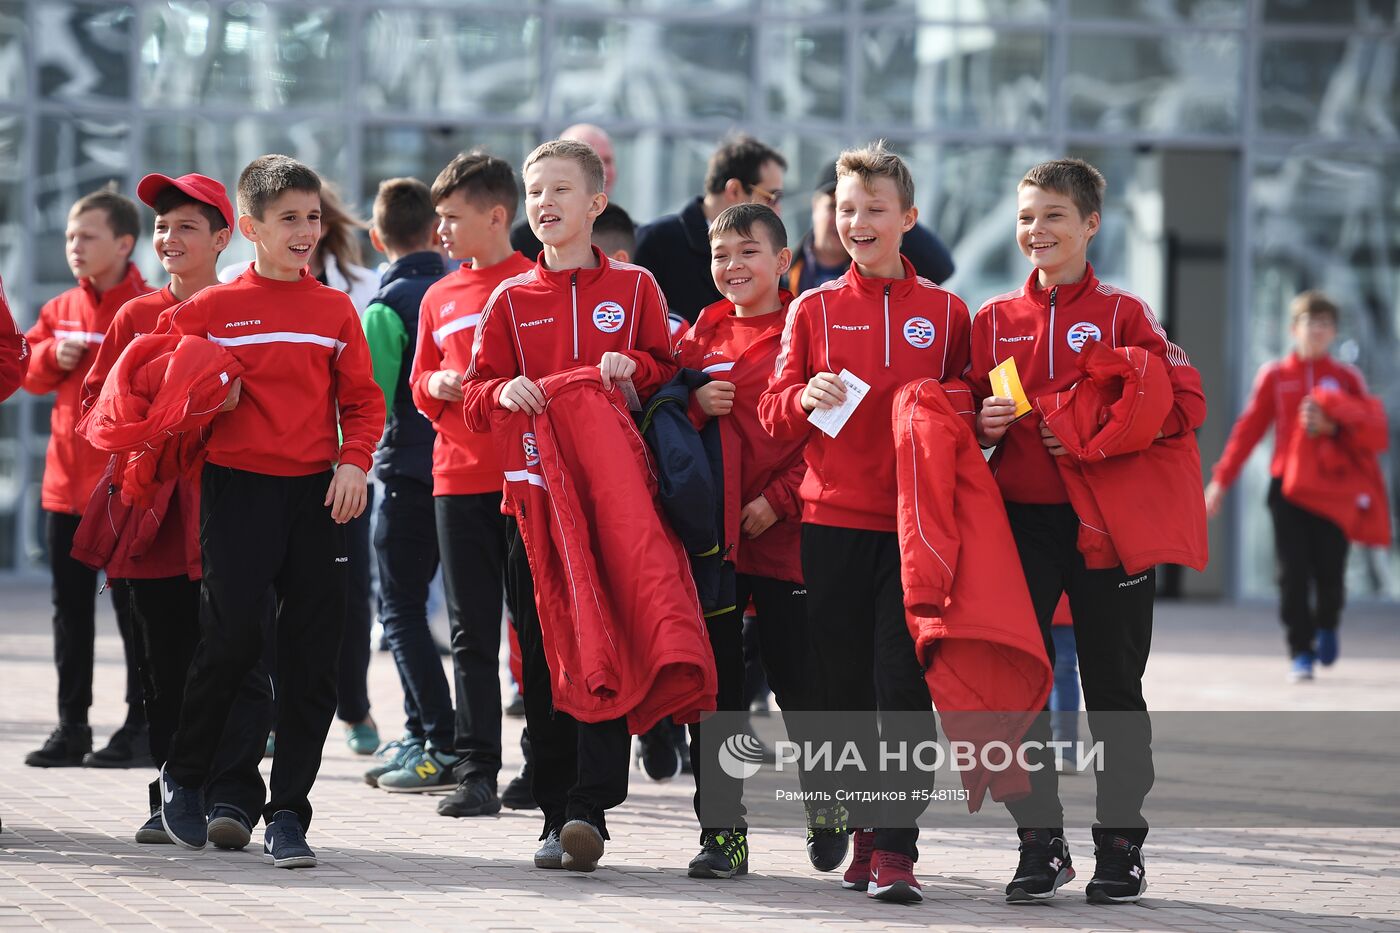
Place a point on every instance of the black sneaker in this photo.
(723, 854)
(129, 747)
(582, 844)
(1119, 875)
(656, 752)
(182, 813)
(229, 827)
(64, 748)
(474, 796)
(152, 832)
(518, 794)
(827, 837)
(284, 844)
(1044, 866)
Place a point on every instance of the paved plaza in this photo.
(389, 862)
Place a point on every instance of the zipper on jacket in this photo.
(573, 297)
(1050, 344)
(887, 325)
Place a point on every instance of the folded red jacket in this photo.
(1339, 476)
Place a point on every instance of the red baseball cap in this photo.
(200, 187)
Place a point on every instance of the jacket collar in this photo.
(711, 315)
(1072, 291)
(422, 263)
(564, 279)
(305, 281)
(131, 284)
(696, 227)
(873, 288)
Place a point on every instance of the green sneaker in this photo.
(393, 756)
(827, 837)
(723, 854)
(362, 737)
(426, 772)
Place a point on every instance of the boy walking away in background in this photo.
(475, 198)
(1043, 326)
(101, 234)
(1311, 548)
(736, 341)
(883, 325)
(193, 224)
(405, 540)
(273, 509)
(574, 308)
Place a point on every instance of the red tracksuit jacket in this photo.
(1339, 476)
(886, 332)
(14, 350)
(305, 361)
(1044, 330)
(743, 351)
(71, 467)
(1279, 389)
(619, 615)
(974, 628)
(464, 462)
(542, 322)
(1138, 496)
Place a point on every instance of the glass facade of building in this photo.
(1246, 144)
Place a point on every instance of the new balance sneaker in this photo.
(1044, 866)
(857, 877)
(362, 737)
(474, 796)
(551, 851)
(64, 748)
(519, 794)
(892, 878)
(182, 813)
(129, 747)
(229, 827)
(284, 844)
(723, 854)
(152, 832)
(1327, 646)
(1301, 668)
(426, 772)
(582, 844)
(656, 753)
(393, 756)
(827, 837)
(1119, 875)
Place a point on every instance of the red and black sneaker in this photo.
(892, 878)
(857, 876)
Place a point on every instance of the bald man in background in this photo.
(521, 237)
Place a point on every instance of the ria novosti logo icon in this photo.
(740, 756)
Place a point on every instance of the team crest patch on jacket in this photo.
(919, 332)
(608, 317)
(1081, 333)
(532, 450)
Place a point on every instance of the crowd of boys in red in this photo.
(211, 441)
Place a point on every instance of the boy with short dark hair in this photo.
(887, 327)
(272, 509)
(101, 234)
(1043, 326)
(575, 307)
(736, 341)
(475, 198)
(1312, 550)
(615, 234)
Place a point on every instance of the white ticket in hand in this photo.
(832, 420)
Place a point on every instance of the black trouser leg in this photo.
(724, 794)
(472, 540)
(1295, 570)
(782, 634)
(1328, 546)
(352, 694)
(405, 541)
(165, 613)
(234, 778)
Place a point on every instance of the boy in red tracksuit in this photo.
(102, 231)
(272, 510)
(475, 198)
(14, 350)
(575, 307)
(1312, 551)
(193, 225)
(886, 326)
(736, 341)
(1042, 326)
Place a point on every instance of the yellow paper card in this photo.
(1006, 383)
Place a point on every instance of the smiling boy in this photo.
(1043, 326)
(273, 510)
(575, 307)
(887, 327)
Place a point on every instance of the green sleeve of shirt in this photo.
(387, 338)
